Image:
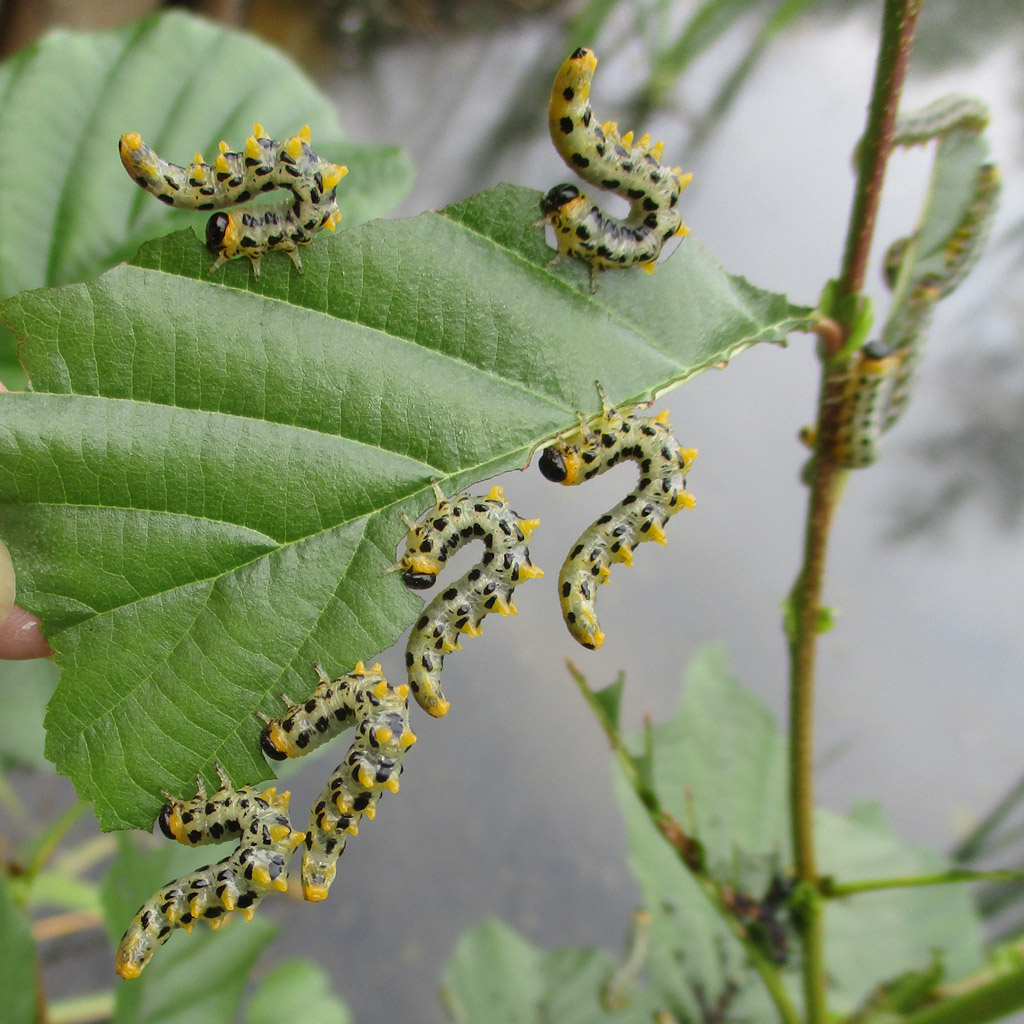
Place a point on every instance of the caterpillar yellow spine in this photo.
(258, 865)
(487, 587)
(379, 713)
(631, 169)
(234, 178)
(593, 448)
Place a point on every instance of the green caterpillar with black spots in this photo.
(379, 712)
(263, 166)
(238, 883)
(462, 607)
(603, 158)
(593, 448)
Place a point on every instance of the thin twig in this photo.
(898, 23)
(836, 890)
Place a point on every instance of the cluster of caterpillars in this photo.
(376, 710)
(606, 160)
(234, 178)
(258, 865)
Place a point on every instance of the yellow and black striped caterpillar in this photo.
(264, 165)
(591, 449)
(259, 821)
(599, 155)
(878, 380)
(487, 587)
(380, 714)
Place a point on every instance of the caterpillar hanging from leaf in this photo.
(593, 448)
(263, 166)
(599, 155)
(874, 386)
(258, 865)
(380, 714)
(462, 607)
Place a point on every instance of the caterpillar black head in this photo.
(274, 752)
(418, 580)
(216, 228)
(165, 821)
(552, 465)
(557, 197)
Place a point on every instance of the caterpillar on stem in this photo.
(593, 448)
(379, 713)
(878, 380)
(258, 865)
(603, 158)
(234, 178)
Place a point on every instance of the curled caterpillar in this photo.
(599, 155)
(907, 328)
(487, 587)
(259, 821)
(380, 713)
(944, 115)
(591, 449)
(264, 165)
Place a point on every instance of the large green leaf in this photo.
(495, 976)
(296, 983)
(204, 486)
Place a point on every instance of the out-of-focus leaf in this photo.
(497, 977)
(294, 984)
(720, 770)
(25, 688)
(18, 965)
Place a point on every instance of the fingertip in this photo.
(21, 637)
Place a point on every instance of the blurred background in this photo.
(920, 683)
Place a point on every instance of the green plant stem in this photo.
(837, 890)
(898, 22)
